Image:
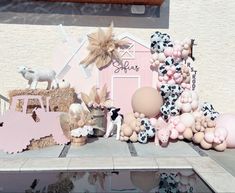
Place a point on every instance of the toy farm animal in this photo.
(162, 136)
(163, 132)
(34, 76)
(113, 118)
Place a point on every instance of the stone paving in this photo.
(225, 159)
(100, 147)
(109, 154)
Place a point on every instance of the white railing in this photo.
(4, 104)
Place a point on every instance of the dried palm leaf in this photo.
(103, 94)
(103, 48)
(97, 98)
(86, 99)
(92, 94)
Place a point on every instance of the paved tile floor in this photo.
(178, 149)
(110, 147)
(225, 159)
(100, 147)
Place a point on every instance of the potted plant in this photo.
(96, 102)
(83, 128)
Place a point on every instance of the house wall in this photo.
(210, 23)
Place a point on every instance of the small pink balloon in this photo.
(176, 75)
(168, 67)
(171, 81)
(187, 41)
(166, 78)
(168, 51)
(182, 99)
(177, 47)
(178, 54)
(179, 80)
(180, 127)
(216, 140)
(153, 121)
(160, 78)
(155, 56)
(180, 136)
(186, 46)
(173, 68)
(174, 134)
(175, 54)
(151, 60)
(185, 54)
(176, 120)
(152, 66)
(157, 62)
(194, 104)
(161, 57)
(189, 100)
(209, 137)
(170, 72)
(186, 108)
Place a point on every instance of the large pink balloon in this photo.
(227, 121)
(148, 101)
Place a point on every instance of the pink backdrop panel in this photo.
(135, 63)
(122, 94)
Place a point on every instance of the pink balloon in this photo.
(168, 51)
(185, 54)
(174, 134)
(160, 78)
(173, 68)
(175, 53)
(180, 127)
(166, 78)
(176, 75)
(209, 137)
(179, 80)
(153, 121)
(170, 72)
(167, 67)
(176, 121)
(171, 81)
(179, 54)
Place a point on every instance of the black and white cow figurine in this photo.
(113, 118)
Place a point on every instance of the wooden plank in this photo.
(136, 2)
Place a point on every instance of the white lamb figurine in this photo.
(34, 76)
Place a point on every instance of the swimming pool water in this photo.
(161, 181)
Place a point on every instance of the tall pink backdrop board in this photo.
(66, 59)
(134, 72)
(122, 80)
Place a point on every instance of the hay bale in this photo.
(60, 100)
(41, 143)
